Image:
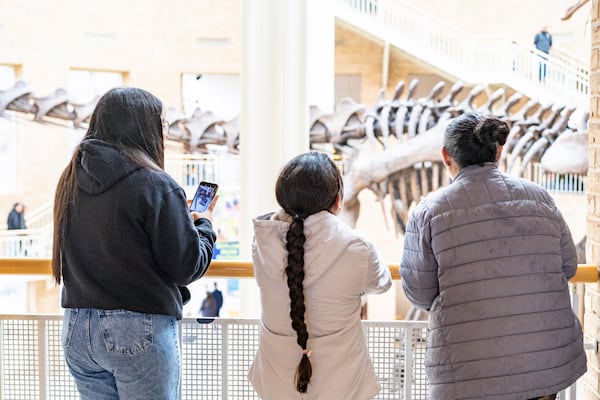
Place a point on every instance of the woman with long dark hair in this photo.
(125, 246)
(312, 270)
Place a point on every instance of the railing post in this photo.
(2, 369)
(224, 359)
(408, 362)
(180, 334)
(42, 353)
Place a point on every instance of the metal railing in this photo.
(472, 59)
(190, 170)
(558, 183)
(215, 356)
(26, 242)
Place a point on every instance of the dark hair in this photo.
(130, 120)
(473, 138)
(309, 183)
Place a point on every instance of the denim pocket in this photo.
(126, 332)
(68, 326)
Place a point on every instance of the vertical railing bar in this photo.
(180, 334)
(408, 362)
(2, 352)
(225, 359)
(42, 357)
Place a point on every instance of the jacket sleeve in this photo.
(418, 268)
(182, 250)
(12, 221)
(378, 279)
(568, 250)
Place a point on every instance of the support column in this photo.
(592, 308)
(274, 110)
(385, 65)
(321, 54)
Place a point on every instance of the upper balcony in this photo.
(470, 58)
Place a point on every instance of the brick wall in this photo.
(592, 294)
(355, 53)
(152, 42)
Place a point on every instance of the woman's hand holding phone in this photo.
(205, 198)
(208, 214)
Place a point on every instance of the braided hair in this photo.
(474, 138)
(309, 183)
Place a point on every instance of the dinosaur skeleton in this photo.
(392, 148)
(19, 98)
(409, 167)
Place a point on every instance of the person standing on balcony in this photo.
(16, 217)
(489, 257)
(125, 246)
(312, 270)
(543, 42)
(209, 307)
(15, 221)
(218, 295)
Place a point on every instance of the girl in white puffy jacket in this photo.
(312, 270)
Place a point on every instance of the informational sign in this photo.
(226, 251)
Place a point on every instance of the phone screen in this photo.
(204, 194)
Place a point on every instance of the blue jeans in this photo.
(120, 354)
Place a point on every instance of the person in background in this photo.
(489, 257)
(218, 295)
(209, 307)
(543, 42)
(312, 271)
(16, 217)
(125, 246)
(16, 221)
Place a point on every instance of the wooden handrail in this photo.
(586, 273)
(42, 266)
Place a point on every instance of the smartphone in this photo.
(204, 195)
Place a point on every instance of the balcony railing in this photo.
(216, 354)
(215, 358)
(36, 242)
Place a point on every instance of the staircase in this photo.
(469, 58)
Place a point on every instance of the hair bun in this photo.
(491, 130)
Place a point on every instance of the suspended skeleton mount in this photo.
(392, 147)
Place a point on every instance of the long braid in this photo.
(295, 277)
(309, 183)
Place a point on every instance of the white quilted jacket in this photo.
(340, 265)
